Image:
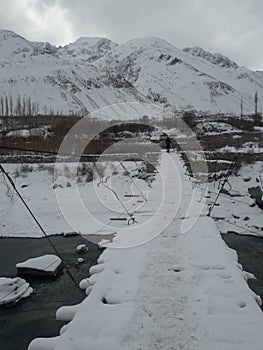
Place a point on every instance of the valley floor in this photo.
(168, 283)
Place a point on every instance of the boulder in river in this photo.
(46, 265)
(13, 289)
(81, 248)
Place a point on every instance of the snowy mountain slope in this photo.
(168, 75)
(88, 49)
(15, 48)
(215, 58)
(59, 79)
(94, 72)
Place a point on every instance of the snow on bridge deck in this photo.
(183, 289)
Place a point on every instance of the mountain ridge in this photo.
(215, 58)
(91, 73)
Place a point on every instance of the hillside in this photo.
(91, 73)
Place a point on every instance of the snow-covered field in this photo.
(215, 128)
(248, 147)
(36, 187)
(183, 289)
(82, 202)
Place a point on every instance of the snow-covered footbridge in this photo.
(168, 283)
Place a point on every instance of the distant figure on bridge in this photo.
(168, 144)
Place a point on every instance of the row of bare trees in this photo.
(20, 106)
(25, 107)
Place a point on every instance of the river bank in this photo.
(35, 316)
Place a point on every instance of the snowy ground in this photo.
(236, 210)
(182, 290)
(35, 183)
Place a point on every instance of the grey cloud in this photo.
(233, 28)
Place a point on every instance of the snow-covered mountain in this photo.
(185, 79)
(95, 72)
(88, 49)
(59, 79)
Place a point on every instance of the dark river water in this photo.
(250, 255)
(35, 316)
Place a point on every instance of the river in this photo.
(35, 316)
(250, 255)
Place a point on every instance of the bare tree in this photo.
(11, 105)
(18, 106)
(24, 107)
(256, 104)
(29, 107)
(2, 105)
(6, 106)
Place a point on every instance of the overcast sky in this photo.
(231, 27)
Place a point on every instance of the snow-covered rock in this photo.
(215, 58)
(62, 182)
(13, 289)
(103, 243)
(43, 265)
(81, 248)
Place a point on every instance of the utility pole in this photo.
(256, 104)
(241, 107)
(257, 116)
